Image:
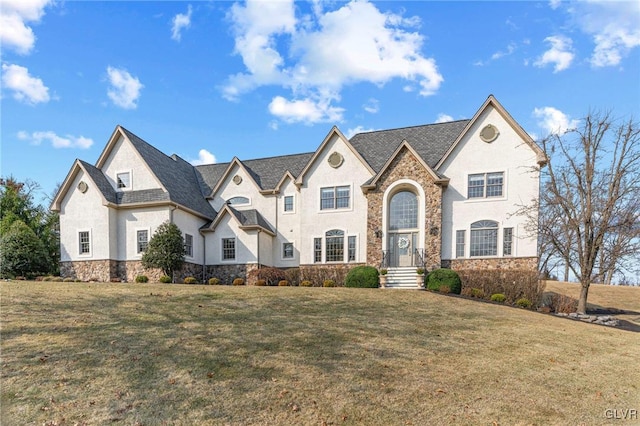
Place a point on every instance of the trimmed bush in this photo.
(306, 283)
(165, 279)
(260, 283)
(142, 279)
(444, 277)
(523, 302)
(383, 271)
(190, 280)
(329, 283)
(214, 281)
(283, 283)
(498, 297)
(362, 277)
(444, 289)
(238, 281)
(420, 271)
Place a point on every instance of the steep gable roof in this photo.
(247, 220)
(94, 174)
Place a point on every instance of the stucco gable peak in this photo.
(334, 132)
(235, 162)
(76, 167)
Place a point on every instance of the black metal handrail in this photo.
(390, 261)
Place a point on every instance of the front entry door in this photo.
(401, 244)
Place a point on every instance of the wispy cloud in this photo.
(560, 54)
(27, 89)
(125, 89)
(444, 118)
(14, 16)
(67, 141)
(327, 50)
(204, 157)
(372, 106)
(359, 129)
(554, 121)
(180, 22)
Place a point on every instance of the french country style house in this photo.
(436, 195)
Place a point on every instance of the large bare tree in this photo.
(590, 197)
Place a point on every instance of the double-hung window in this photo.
(460, 237)
(142, 240)
(288, 203)
(287, 250)
(485, 185)
(335, 197)
(228, 249)
(84, 242)
(507, 242)
(188, 245)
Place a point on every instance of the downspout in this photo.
(204, 257)
(259, 230)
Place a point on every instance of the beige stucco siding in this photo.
(124, 158)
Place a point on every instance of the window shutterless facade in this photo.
(188, 245)
(460, 237)
(123, 180)
(228, 249)
(334, 243)
(507, 242)
(335, 247)
(287, 250)
(84, 242)
(484, 238)
(288, 203)
(485, 185)
(335, 197)
(142, 240)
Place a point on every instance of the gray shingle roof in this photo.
(251, 218)
(430, 141)
(101, 182)
(176, 175)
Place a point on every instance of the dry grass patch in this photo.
(170, 354)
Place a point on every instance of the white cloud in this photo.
(204, 157)
(14, 31)
(68, 141)
(554, 121)
(444, 118)
(372, 106)
(560, 54)
(304, 110)
(27, 89)
(554, 4)
(180, 22)
(359, 129)
(125, 89)
(316, 55)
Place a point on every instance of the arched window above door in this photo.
(403, 211)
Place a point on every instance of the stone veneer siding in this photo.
(227, 273)
(124, 271)
(406, 166)
(505, 263)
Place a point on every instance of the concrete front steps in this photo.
(402, 278)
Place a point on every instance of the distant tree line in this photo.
(29, 232)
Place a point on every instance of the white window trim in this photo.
(130, 187)
(193, 243)
(239, 205)
(336, 210)
(484, 198)
(294, 204)
(235, 249)
(323, 248)
(84, 255)
(287, 259)
(135, 237)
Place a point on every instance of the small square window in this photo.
(124, 180)
(287, 250)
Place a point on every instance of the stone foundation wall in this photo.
(505, 263)
(121, 271)
(89, 270)
(227, 273)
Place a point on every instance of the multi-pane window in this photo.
(317, 250)
(124, 180)
(460, 237)
(334, 243)
(507, 241)
(287, 250)
(228, 249)
(288, 203)
(188, 245)
(84, 240)
(484, 238)
(403, 211)
(335, 197)
(142, 240)
(351, 252)
(483, 185)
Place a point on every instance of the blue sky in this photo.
(213, 80)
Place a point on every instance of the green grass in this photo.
(78, 353)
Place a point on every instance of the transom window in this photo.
(142, 238)
(335, 247)
(228, 249)
(287, 250)
(238, 201)
(288, 203)
(335, 197)
(484, 238)
(403, 211)
(123, 180)
(188, 245)
(84, 240)
(483, 185)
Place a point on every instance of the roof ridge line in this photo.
(410, 127)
